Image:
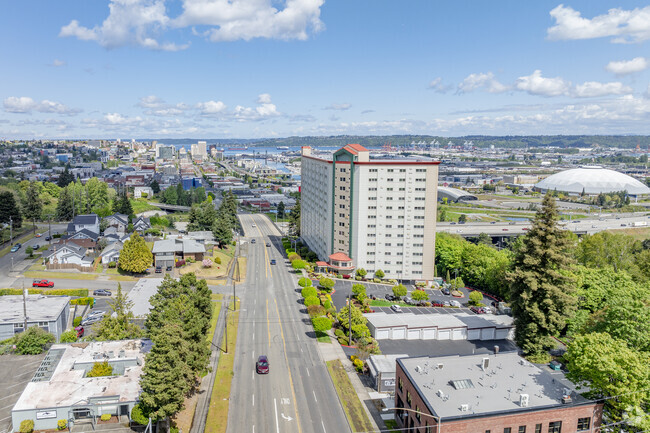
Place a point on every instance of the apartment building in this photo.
(358, 212)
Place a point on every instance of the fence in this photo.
(56, 266)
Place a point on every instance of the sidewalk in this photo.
(330, 352)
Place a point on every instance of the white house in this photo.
(80, 222)
(138, 192)
(67, 254)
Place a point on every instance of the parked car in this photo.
(47, 238)
(42, 283)
(253, 241)
(268, 244)
(97, 313)
(390, 297)
(38, 235)
(102, 292)
(409, 300)
(446, 291)
(35, 247)
(158, 269)
(493, 222)
(80, 331)
(396, 308)
(446, 304)
(16, 247)
(169, 268)
(477, 310)
(455, 303)
(437, 304)
(262, 365)
(90, 320)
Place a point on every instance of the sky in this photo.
(269, 68)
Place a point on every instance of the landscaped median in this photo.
(353, 407)
(217, 420)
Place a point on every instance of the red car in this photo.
(80, 331)
(262, 365)
(42, 283)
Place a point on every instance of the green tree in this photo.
(32, 204)
(379, 274)
(321, 324)
(326, 284)
(304, 282)
(222, 231)
(64, 209)
(280, 210)
(123, 205)
(607, 249)
(419, 295)
(170, 196)
(484, 239)
(119, 327)
(98, 199)
(69, 336)
(399, 290)
(475, 298)
(311, 300)
(360, 272)
(299, 264)
(202, 217)
(155, 186)
(359, 291)
(65, 178)
(183, 198)
(29, 251)
(542, 297)
(308, 291)
(357, 317)
(136, 256)
(462, 219)
(100, 369)
(9, 211)
(608, 368)
(294, 220)
(625, 320)
(33, 341)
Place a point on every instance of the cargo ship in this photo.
(282, 147)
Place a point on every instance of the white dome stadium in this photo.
(592, 180)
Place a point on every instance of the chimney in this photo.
(496, 350)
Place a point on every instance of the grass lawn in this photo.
(63, 275)
(216, 308)
(271, 216)
(639, 233)
(349, 399)
(323, 337)
(217, 419)
(242, 269)
(215, 271)
(141, 205)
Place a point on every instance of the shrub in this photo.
(339, 333)
(138, 416)
(475, 297)
(361, 272)
(327, 305)
(293, 256)
(343, 341)
(419, 295)
(88, 300)
(217, 260)
(392, 281)
(27, 426)
(311, 256)
(312, 300)
(304, 282)
(379, 274)
(69, 336)
(112, 265)
(308, 292)
(326, 284)
(190, 260)
(105, 417)
(100, 369)
(420, 284)
(321, 324)
(61, 424)
(376, 280)
(68, 292)
(299, 264)
(77, 321)
(399, 290)
(207, 263)
(358, 365)
(315, 311)
(33, 341)
(180, 263)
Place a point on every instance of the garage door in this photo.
(474, 334)
(382, 334)
(487, 334)
(502, 334)
(413, 334)
(429, 334)
(459, 334)
(444, 334)
(399, 334)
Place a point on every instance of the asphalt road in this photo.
(585, 225)
(14, 259)
(297, 395)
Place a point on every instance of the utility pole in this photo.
(49, 230)
(226, 349)
(350, 318)
(11, 231)
(24, 305)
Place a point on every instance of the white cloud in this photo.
(535, 84)
(591, 89)
(339, 107)
(624, 25)
(212, 108)
(130, 22)
(247, 19)
(151, 101)
(264, 98)
(437, 85)
(625, 67)
(26, 104)
(142, 22)
(481, 81)
(265, 110)
(57, 63)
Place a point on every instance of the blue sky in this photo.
(269, 68)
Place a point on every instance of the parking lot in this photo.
(425, 310)
(15, 374)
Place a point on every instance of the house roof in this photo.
(141, 220)
(84, 233)
(341, 257)
(192, 246)
(114, 247)
(86, 219)
(164, 246)
(75, 249)
(124, 219)
(39, 308)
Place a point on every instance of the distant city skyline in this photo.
(263, 69)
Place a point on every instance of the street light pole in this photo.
(350, 318)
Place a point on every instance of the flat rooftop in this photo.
(449, 382)
(68, 386)
(39, 308)
(140, 294)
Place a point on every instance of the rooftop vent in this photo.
(440, 365)
(496, 349)
(464, 407)
(111, 354)
(523, 400)
(485, 364)
(122, 354)
(440, 393)
(418, 368)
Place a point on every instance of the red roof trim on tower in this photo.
(358, 147)
(341, 257)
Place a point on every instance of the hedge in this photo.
(308, 292)
(53, 292)
(83, 301)
(304, 282)
(321, 324)
(312, 300)
(27, 426)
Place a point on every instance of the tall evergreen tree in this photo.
(155, 186)
(541, 294)
(280, 210)
(9, 209)
(119, 327)
(182, 196)
(64, 209)
(294, 220)
(65, 178)
(32, 206)
(202, 217)
(222, 231)
(135, 256)
(170, 196)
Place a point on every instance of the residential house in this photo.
(47, 312)
(112, 252)
(68, 253)
(166, 251)
(117, 220)
(141, 224)
(80, 222)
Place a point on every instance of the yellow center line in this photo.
(268, 323)
(284, 345)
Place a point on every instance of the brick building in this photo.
(501, 393)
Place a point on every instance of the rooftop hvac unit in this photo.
(523, 400)
(418, 368)
(464, 407)
(440, 366)
(440, 393)
(485, 364)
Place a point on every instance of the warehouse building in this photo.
(60, 389)
(47, 312)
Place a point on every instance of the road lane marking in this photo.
(277, 424)
(284, 346)
(314, 395)
(253, 395)
(308, 373)
(323, 424)
(268, 324)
